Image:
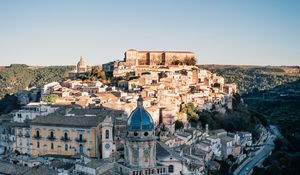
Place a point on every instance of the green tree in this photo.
(190, 110)
(102, 75)
(50, 98)
(95, 70)
(190, 61)
(178, 124)
(129, 75)
(97, 73)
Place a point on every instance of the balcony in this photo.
(27, 135)
(51, 138)
(65, 139)
(80, 140)
(37, 137)
(20, 135)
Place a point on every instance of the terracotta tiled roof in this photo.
(74, 121)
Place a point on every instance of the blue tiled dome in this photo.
(140, 119)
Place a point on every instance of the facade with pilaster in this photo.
(67, 135)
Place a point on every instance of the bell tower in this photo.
(107, 146)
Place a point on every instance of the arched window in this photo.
(66, 136)
(107, 134)
(37, 133)
(51, 134)
(171, 168)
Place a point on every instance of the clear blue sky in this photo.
(54, 32)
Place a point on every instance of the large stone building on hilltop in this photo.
(135, 58)
(142, 60)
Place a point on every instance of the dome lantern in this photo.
(140, 119)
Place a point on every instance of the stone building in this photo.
(32, 110)
(67, 135)
(81, 66)
(22, 141)
(140, 145)
(135, 58)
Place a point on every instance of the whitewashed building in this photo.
(32, 110)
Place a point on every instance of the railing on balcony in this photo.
(51, 138)
(37, 137)
(27, 135)
(20, 135)
(65, 139)
(80, 140)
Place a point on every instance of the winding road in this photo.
(246, 168)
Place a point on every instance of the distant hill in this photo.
(18, 77)
(280, 106)
(249, 78)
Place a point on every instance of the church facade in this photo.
(81, 66)
(81, 69)
(140, 145)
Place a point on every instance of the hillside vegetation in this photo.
(18, 77)
(249, 78)
(271, 92)
(239, 118)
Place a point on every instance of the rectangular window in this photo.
(38, 144)
(52, 146)
(66, 147)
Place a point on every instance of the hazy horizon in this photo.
(45, 33)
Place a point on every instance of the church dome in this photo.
(140, 119)
(81, 63)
